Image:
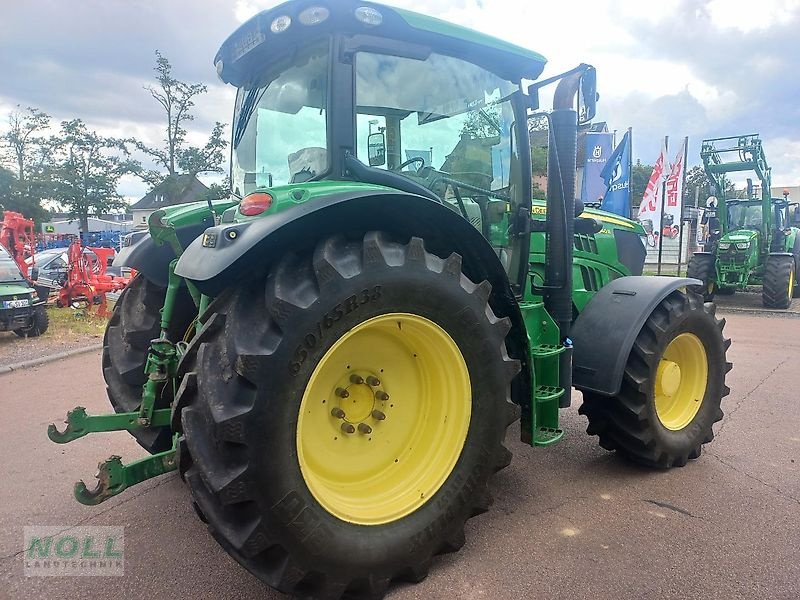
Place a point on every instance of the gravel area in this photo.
(14, 349)
(66, 332)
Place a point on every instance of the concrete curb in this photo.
(43, 360)
(766, 312)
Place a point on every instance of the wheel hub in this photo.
(681, 381)
(669, 377)
(360, 398)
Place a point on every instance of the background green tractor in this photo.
(338, 350)
(752, 240)
(21, 310)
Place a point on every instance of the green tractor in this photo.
(21, 309)
(752, 240)
(331, 358)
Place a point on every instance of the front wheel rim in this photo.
(383, 419)
(681, 381)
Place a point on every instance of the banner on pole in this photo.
(671, 227)
(650, 208)
(598, 150)
(617, 177)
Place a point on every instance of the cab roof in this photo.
(254, 42)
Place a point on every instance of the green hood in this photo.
(739, 236)
(15, 289)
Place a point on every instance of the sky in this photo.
(697, 68)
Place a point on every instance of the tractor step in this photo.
(545, 350)
(546, 393)
(544, 436)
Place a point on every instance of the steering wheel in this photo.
(416, 159)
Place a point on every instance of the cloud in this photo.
(688, 67)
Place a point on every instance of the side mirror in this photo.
(34, 273)
(376, 149)
(587, 96)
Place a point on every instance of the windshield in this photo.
(9, 271)
(280, 133)
(743, 215)
(445, 123)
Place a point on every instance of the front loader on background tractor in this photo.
(756, 243)
(338, 349)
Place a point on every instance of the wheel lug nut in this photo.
(381, 395)
(338, 413)
(342, 393)
(373, 381)
(364, 428)
(357, 379)
(348, 428)
(378, 415)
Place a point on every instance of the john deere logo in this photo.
(597, 152)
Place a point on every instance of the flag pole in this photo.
(683, 190)
(663, 194)
(630, 172)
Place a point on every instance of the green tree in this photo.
(696, 178)
(640, 175)
(217, 191)
(177, 99)
(87, 171)
(27, 153)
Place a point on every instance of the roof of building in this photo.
(178, 189)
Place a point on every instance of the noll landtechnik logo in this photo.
(76, 551)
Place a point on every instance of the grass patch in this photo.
(69, 322)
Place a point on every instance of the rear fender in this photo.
(230, 252)
(604, 333)
(152, 260)
(141, 252)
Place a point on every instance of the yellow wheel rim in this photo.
(681, 380)
(383, 419)
(791, 282)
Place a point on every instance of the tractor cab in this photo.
(744, 227)
(380, 96)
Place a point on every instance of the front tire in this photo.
(366, 391)
(40, 321)
(779, 282)
(672, 387)
(704, 268)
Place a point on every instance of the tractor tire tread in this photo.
(233, 358)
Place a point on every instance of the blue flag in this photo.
(598, 150)
(617, 175)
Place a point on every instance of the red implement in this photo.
(18, 237)
(87, 282)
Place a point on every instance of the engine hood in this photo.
(739, 236)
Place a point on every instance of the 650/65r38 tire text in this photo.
(137, 320)
(341, 418)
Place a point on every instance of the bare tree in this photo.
(177, 99)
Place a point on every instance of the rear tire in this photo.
(264, 350)
(636, 423)
(135, 321)
(40, 321)
(779, 282)
(704, 268)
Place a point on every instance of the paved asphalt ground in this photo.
(571, 521)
